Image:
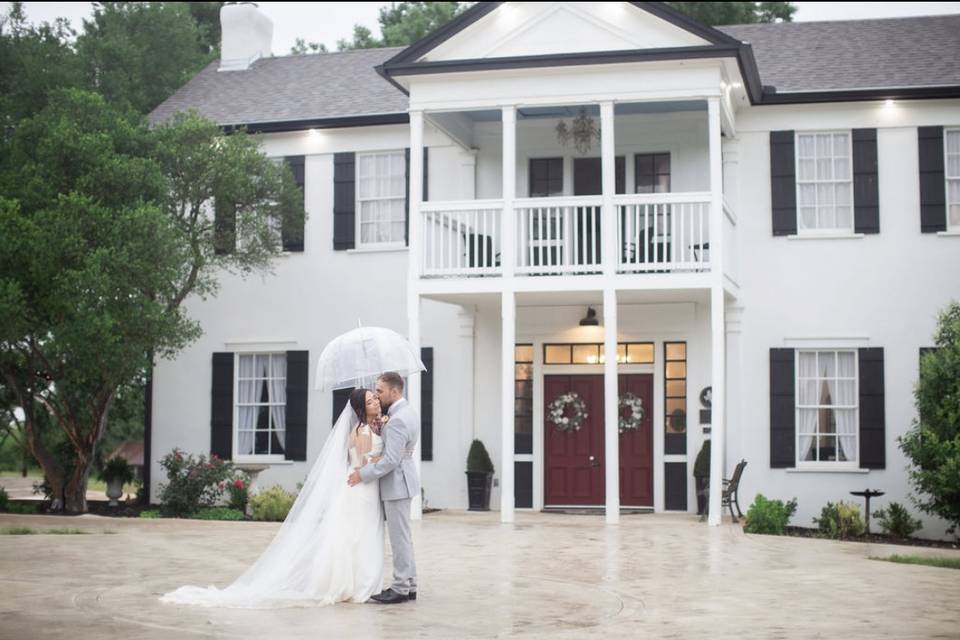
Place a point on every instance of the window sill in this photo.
(949, 234)
(259, 461)
(826, 236)
(379, 249)
(826, 470)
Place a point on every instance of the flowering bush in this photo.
(841, 521)
(192, 482)
(239, 492)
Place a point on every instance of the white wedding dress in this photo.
(330, 548)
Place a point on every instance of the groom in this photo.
(398, 484)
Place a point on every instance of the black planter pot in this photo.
(703, 489)
(478, 489)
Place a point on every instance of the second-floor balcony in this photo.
(649, 203)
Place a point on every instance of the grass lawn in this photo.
(92, 484)
(946, 563)
(23, 531)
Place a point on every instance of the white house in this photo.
(765, 231)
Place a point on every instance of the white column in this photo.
(717, 333)
(508, 227)
(413, 274)
(507, 398)
(608, 185)
(611, 423)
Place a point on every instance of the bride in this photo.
(330, 547)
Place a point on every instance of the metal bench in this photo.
(729, 496)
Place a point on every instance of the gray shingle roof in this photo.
(281, 89)
(855, 54)
(798, 56)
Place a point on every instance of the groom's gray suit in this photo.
(397, 473)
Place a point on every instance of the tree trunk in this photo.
(75, 493)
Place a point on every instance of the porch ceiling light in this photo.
(590, 320)
(582, 130)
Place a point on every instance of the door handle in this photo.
(594, 462)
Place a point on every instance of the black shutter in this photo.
(872, 419)
(224, 227)
(298, 366)
(783, 183)
(866, 195)
(426, 404)
(933, 206)
(221, 406)
(426, 175)
(406, 196)
(340, 399)
(782, 409)
(292, 236)
(344, 201)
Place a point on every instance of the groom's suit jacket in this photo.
(396, 470)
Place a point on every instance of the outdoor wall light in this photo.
(590, 320)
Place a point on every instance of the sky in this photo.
(327, 22)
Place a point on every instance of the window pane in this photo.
(807, 145)
(827, 364)
(841, 168)
(676, 350)
(824, 169)
(557, 354)
(645, 164)
(807, 169)
(663, 184)
(676, 369)
(523, 371)
(676, 388)
(824, 145)
(642, 353)
(676, 404)
(952, 141)
(841, 145)
(662, 163)
(523, 353)
(586, 354)
(955, 215)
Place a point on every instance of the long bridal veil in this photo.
(301, 564)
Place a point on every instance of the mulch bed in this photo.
(876, 538)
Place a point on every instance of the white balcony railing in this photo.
(663, 232)
(461, 238)
(558, 235)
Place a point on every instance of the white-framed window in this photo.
(261, 405)
(824, 181)
(951, 165)
(381, 199)
(827, 408)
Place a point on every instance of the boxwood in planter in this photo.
(479, 477)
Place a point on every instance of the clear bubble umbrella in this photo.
(358, 357)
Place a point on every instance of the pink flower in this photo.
(238, 483)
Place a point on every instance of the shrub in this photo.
(840, 521)
(238, 490)
(701, 467)
(896, 521)
(769, 516)
(116, 468)
(219, 513)
(192, 482)
(150, 513)
(22, 509)
(933, 443)
(4, 499)
(478, 460)
(271, 505)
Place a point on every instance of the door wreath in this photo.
(558, 409)
(634, 403)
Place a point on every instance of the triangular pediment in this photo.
(514, 29)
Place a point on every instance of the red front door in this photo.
(573, 462)
(636, 447)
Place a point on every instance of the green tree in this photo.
(403, 23)
(933, 443)
(34, 61)
(721, 13)
(301, 47)
(136, 54)
(207, 17)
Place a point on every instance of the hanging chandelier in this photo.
(582, 131)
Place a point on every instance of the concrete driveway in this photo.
(557, 576)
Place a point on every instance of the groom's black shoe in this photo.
(412, 595)
(389, 596)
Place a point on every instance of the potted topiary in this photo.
(479, 477)
(701, 475)
(116, 473)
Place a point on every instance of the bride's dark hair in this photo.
(358, 402)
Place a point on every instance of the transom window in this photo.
(381, 198)
(951, 144)
(824, 181)
(592, 353)
(261, 404)
(827, 404)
